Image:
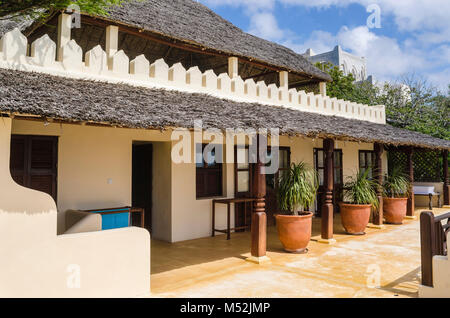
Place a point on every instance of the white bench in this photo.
(428, 191)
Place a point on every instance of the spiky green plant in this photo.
(360, 189)
(396, 184)
(297, 188)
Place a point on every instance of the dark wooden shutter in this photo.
(208, 177)
(33, 162)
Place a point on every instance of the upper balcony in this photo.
(112, 65)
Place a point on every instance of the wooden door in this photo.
(319, 165)
(33, 162)
(142, 182)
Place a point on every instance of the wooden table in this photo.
(228, 203)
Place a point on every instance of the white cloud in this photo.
(425, 23)
(319, 41)
(265, 25)
(385, 57)
(409, 14)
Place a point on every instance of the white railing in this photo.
(139, 72)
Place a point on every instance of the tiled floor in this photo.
(383, 263)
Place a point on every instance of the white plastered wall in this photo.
(36, 262)
(441, 278)
(89, 156)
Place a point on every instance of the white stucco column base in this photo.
(258, 260)
(376, 226)
(326, 241)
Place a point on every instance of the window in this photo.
(243, 171)
(208, 171)
(319, 165)
(367, 161)
(33, 162)
(283, 165)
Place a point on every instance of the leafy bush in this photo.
(297, 188)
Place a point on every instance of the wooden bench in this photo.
(428, 191)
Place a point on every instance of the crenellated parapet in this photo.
(41, 56)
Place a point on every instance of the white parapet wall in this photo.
(36, 262)
(139, 72)
(441, 277)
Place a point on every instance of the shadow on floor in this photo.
(405, 285)
(170, 256)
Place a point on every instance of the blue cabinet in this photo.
(114, 219)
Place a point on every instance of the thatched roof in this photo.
(193, 23)
(136, 107)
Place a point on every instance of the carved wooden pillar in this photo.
(378, 215)
(327, 208)
(446, 178)
(259, 219)
(410, 172)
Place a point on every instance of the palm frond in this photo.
(297, 187)
(396, 184)
(360, 189)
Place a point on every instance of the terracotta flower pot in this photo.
(294, 231)
(355, 217)
(394, 210)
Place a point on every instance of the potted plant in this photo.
(361, 197)
(396, 188)
(297, 189)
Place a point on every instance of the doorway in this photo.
(142, 180)
(319, 165)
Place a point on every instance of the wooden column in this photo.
(410, 172)
(446, 178)
(328, 208)
(259, 219)
(378, 215)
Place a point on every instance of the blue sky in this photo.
(414, 36)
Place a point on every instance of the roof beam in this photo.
(182, 44)
(259, 75)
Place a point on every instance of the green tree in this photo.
(415, 105)
(411, 103)
(344, 86)
(42, 8)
